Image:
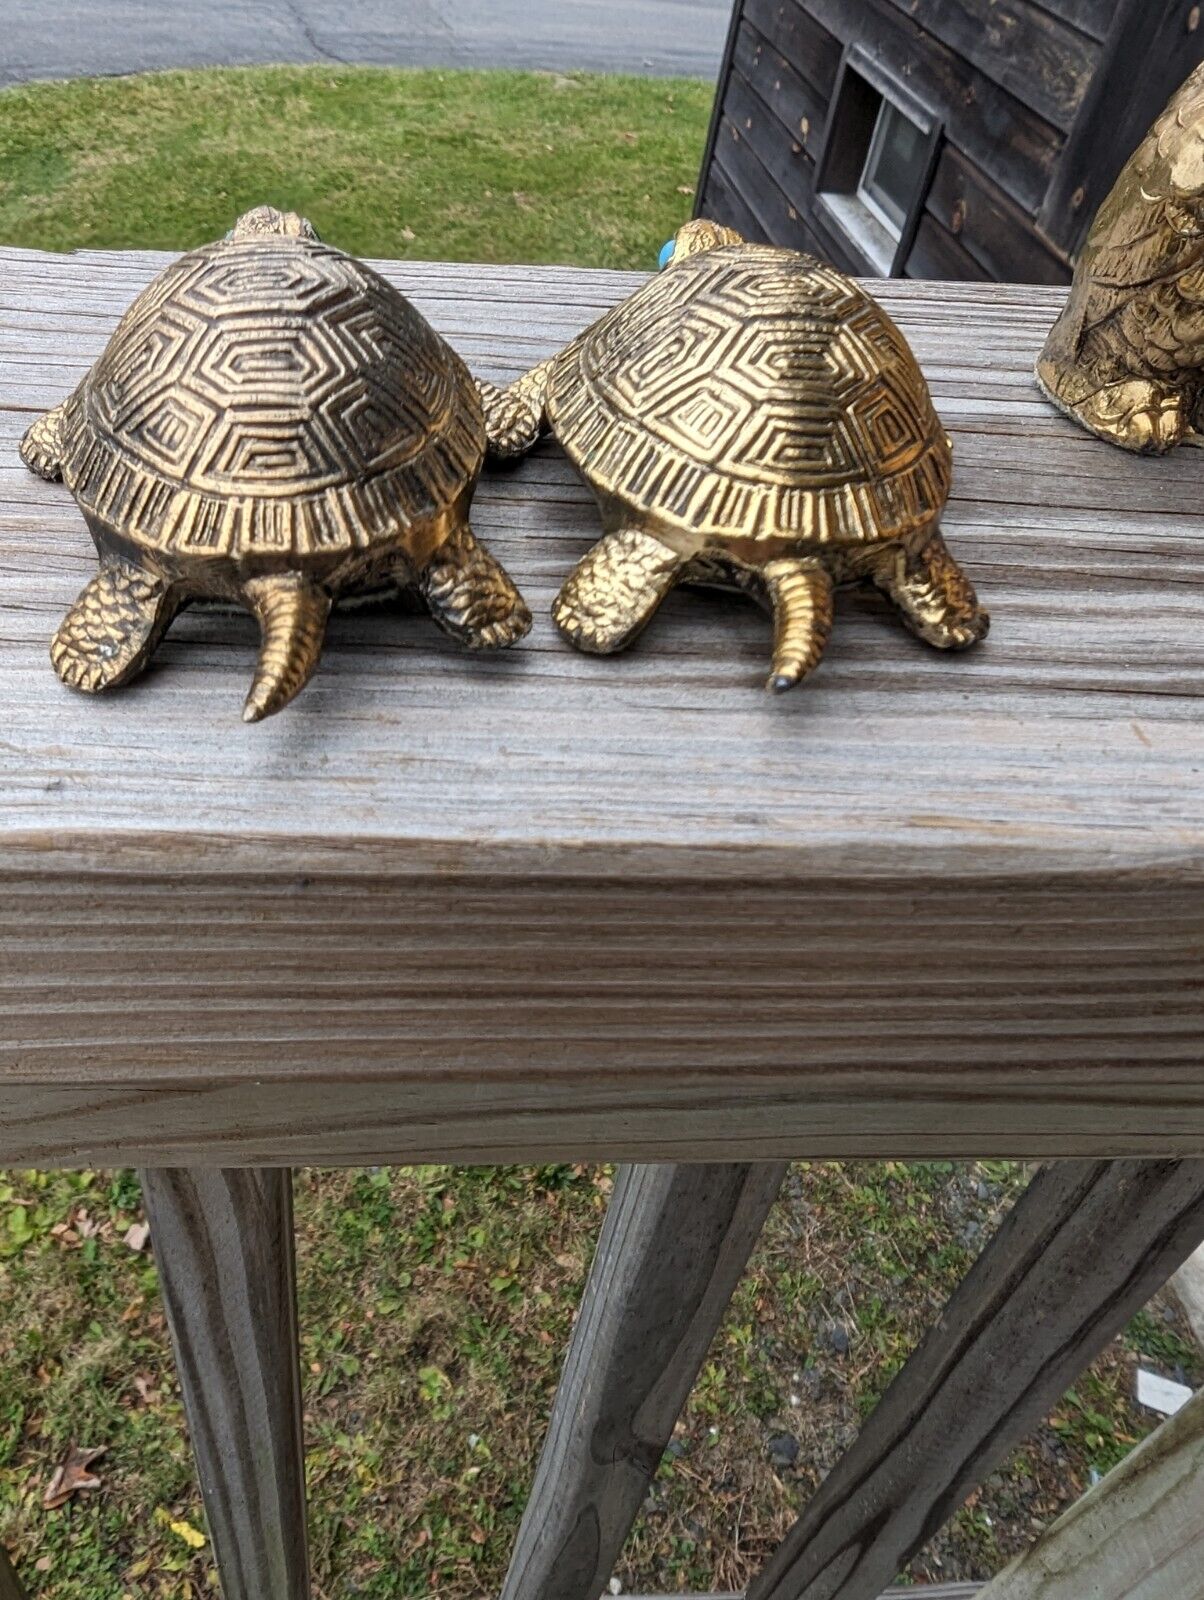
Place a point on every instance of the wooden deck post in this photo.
(1081, 1252)
(223, 1240)
(10, 1584)
(674, 1244)
(1139, 1533)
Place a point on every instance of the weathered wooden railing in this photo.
(550, 908)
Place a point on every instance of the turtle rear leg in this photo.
(42, 447)
(515, 417)
(110, 632)
(471, 596)
(801, 594)
(934, 595)
(615, 590)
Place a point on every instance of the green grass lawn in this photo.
(435, 1303)
(481, 166)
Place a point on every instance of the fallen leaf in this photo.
(685, 188)
(146, 1389)
(136, 1238)
(43, 1564)
(408, 235)
(192, 1537)
(72, 1475)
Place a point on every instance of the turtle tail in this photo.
(292, 615)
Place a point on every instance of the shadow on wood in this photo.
(1081, 1252)
(223, 1241)
(10, 1584)
(673, 1247)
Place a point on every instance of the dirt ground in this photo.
(435, 1304)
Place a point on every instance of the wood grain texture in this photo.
(938, 253)
(673, 1247)
(1149, 52)
(733, 29)
(1035, 56)
(793, 29)
(799, 109)
(1092, 17)
(10, 1585)
(223, 1242)
(547, 906)
(1138, 1535)
(779, 219)
(996, 130)
(937, 1591)
(1080, 1253)
(1002, 239)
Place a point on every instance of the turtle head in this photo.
(267, 220)
(697, 236)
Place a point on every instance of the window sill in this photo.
(873, 243)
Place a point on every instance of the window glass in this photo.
(894, 168)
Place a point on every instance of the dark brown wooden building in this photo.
(937, 138)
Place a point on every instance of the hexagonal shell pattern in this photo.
(271, 397)
(754, 393)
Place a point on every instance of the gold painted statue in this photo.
(748, 419)
(1126, 357)
(274, 425)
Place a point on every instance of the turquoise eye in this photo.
(666, 254)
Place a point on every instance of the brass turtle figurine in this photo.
(272, 424)
(749, 419)
(1126, 357)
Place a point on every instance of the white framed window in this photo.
(876, 164)
(895, 168)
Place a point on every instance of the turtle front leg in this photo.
(471, 596)
(615, 590)
(42, 447)
(934, 595)
(516, 417)
(111, 631)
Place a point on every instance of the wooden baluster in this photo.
(938, 1591)
(1082, 1250)
(10, 1584)
(1138, 1533)
(223, 1240)
(673, 1247)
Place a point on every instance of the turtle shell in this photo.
(754, 393)
(270, 396)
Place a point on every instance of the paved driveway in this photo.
(72, 38)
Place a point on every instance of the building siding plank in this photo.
(1045, 64)
(1000, 237)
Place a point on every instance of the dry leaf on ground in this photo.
(71, 1475)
